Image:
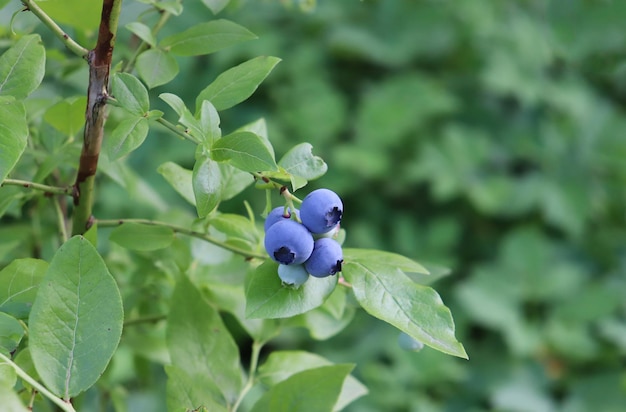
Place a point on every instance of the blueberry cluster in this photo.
(303, 244)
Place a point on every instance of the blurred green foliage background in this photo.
(485, 136)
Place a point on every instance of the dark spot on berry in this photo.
(337, 267)
(284, 255)
(333, 216)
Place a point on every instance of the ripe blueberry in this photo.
(293, 274)
(321, 210)
(277, 214)
(326, 258)
(288, 242)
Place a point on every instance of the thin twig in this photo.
(60, 220)
(254, 361)
(55, 190)
(172, 127)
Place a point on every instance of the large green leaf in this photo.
(384, 291)
(245, 151)
(207, 185)
(205, 38)
(13, 135)
(186, 392)
(136, 236)
(180, 179)
(130, 93)
(19, 282)
(266, 297)
(76, 320)
(67, 116)
(280, 365)
(127, 136)
(237, 84)
(312, 390)
(156, 67)
(200, 344)
(22, 67)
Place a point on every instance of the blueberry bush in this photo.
(121, 293)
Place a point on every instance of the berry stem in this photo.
(254, 361)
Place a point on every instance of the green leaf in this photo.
(11, 401)
(312, 390)
(67, 116)
(266, 297)
(238, 83)
(142, 31)
(300, 162)
(216, 5)
(209, 122)
(22, 67)
(206, 38)
(156, 67)
(130, 93)
(236, 226)
(185, 117)
(207, 185)
(191, 392)
(384, 291)
(127, 136)
(280, 365)
(66, 12)
(391, 259)
(136, 236)
(13, 135)
(76, 320)
(245, 151)
(200, 344)
(19, 282)
(234, 181)
(180, 179)
(11, 333)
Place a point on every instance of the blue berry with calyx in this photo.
(294, 275)
(326, 258)
(288, 242)
(277, 214)
(321, 210)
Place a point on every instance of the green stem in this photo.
(184, 231)
(72, 45)
(272, 184)
(165, 15)
(254, 361)
(38, 186)
(172, 127)
(61, 220)
(66, 406)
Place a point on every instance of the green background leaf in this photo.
(19, 282)
(13, 135)
(207, 185)
(156, 67)
(22, 67)
(136, 236)
(206, 38)
(130, 93)
(11, 333)
(127, 136)
(68, 115)
(237, 84)
(76, 321)
(266, 297)
(180, 179)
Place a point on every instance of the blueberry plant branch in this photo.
(183, 231)
(55, 190)
(71, 44)
(65, 406)
(254, 361)
(99, 60)
(176, 130)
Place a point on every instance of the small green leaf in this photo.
(13, 135)
(156, 67)
(142, 31)
(391, 259)
(191, 392)
(207, 185)
(130, 93)
(237, 84)
(127, 136)
(180, 179)
(245, 151)
(141, 237)
(76, 320)
(266, 297)
(22, 67)
(206, 38)
(185, 117)
(235, 226)
(200, 344)
(11, 333)
(209, 122)
(216, 5)
(384, 291)
(67, 116)
(312, 390)
(300, 162)
(280, 365)
(19, 282)
(259, 128)
(11, 400)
